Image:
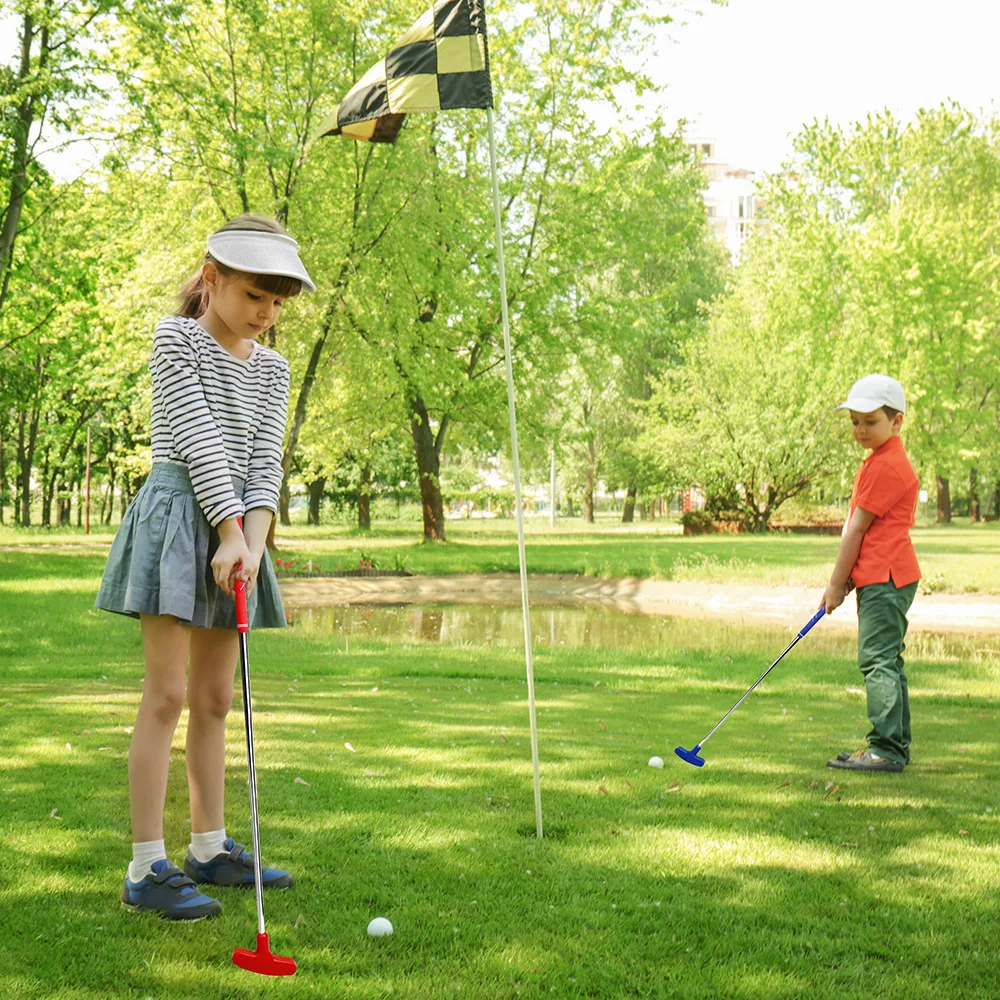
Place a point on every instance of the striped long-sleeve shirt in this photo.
(219, 416)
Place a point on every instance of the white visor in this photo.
(256, 252)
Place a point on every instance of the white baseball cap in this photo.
(873, 391)
(256, 252)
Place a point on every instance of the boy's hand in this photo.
(834, 596)
(840, 584)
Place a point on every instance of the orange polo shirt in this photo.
(887, 487)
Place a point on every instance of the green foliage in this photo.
(878, 255)
(631, 315)
(641, 359)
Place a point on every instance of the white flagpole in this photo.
(529, 666)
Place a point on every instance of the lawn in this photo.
(959, 559)
(749, 878)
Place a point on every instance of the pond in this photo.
(600, 628)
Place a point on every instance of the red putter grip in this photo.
(240, 593)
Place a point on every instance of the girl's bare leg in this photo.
(214, 653)
(165, 643)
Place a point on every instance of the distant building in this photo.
(693, 498)
(733, 203)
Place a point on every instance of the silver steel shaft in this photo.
(252, 772)
(750, 689)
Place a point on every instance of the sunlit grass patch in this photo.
(762, 875)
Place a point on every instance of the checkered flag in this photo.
(439, 64)
(442, 63)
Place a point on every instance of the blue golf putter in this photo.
(691, 756)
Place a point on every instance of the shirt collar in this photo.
(894, 443)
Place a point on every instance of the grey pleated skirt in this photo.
(160, 561)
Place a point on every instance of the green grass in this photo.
(953, 558)
(750, 880)
(958, 559)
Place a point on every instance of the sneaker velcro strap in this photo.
(174, 876)
(238, 855)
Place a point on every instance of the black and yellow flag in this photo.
(440, 63)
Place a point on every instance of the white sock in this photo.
(144, 853)
(205, 846)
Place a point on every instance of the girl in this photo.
(220, 401)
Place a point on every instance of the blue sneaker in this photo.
(166, 890)
(234, 867)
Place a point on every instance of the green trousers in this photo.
(882, 625)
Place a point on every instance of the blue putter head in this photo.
(691, 756)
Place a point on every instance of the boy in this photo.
(877, 556)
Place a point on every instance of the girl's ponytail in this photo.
(194, 295)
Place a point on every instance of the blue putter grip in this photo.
(812, 621)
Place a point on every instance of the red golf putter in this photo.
(261, 961)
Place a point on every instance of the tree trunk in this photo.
(55, 485)
(112, 476)
(316, 488)
(628, 511)
(20, 128)
(943, 500)
(570, 512)
(588, 497)
(48, 489)
(428, 469)
(996, 499)
(284, 499)
(591, 479)
(26, 435)
(552, 489)
(126, 493)
(364, 499)
(975, 508)
(3, 470)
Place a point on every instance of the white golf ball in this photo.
(379, 927)
(656, 762)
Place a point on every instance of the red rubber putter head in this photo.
(262, 961)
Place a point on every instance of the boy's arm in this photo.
(850, 545)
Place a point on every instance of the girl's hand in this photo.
(247, 572)
(231, 552)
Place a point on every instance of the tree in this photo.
(54, 74)
(918, 208)
(880, 257)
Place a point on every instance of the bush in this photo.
(697, 522)
(703, 522)
(801, 512)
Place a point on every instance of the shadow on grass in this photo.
(744, 882)
(746, 879)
